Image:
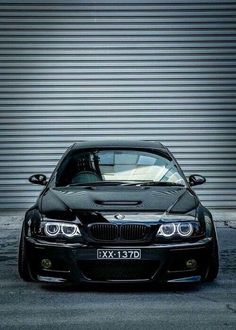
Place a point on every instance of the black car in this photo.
(118, 211)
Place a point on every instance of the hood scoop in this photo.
(117, 202)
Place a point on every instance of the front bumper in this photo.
(161, 263)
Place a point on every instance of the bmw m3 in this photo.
(118, 211)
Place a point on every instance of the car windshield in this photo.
(118, 167)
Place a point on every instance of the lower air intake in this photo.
(118, 270)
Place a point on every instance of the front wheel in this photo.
(23, 266)
(213, 265)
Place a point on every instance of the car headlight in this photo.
(56, 229)
(181, 229)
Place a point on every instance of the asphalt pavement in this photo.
(42, 306)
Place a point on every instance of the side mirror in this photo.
(38, 179)
(196, 179)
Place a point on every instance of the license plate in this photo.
(118, 254)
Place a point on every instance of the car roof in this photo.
(119, 144)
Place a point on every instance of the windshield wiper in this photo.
(153, 183)
(124, 183)
(96, 183)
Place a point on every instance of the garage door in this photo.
(82, 70)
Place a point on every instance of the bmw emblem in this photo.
(119, 216)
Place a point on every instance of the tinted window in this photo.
(117, 165)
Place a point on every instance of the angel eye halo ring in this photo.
(52, 229)
(185, 229)
(69, 230)
(167, 230)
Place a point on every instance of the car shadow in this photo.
(122, 288)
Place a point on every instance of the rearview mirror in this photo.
(38, 179)
(196, 179)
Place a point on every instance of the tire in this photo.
(213, 265)
(23, 266)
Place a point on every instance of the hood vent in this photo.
(110, 203)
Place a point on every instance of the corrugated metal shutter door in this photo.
(161, 70)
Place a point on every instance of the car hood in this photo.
(69, 202)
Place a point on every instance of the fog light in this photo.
(46, 263)
(191, 264)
